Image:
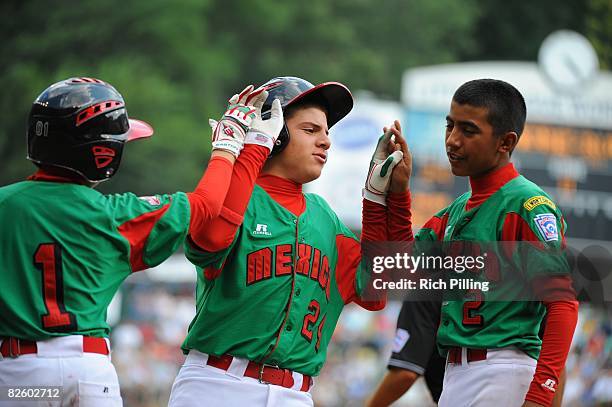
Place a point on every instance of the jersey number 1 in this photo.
(48, 259)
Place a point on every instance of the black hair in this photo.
(505, 104)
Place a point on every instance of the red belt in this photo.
(13, 347)
(264, 373)
(473, 355)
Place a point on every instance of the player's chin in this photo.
(459, 170)
(312, 173)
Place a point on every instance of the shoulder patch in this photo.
(537, 201)
(401, 337)
(547, 226)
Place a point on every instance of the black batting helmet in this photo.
(334, 97)
(81, 124)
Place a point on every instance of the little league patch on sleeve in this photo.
(401, 337)
(537, 201)
(547, 225)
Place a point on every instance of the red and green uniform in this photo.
(71, 249)
(66, 248)
(507, 207)
(275, 294)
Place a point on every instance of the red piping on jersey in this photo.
(210, 273)
(136, 232)
(438, 225)
(290, 301)
(485, 186)
(515, 229)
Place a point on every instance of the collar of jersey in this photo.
(59, 176)
(483, 188)
(286, 193)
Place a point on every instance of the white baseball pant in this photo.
(86, 379)
(200, 384)
(502, 380)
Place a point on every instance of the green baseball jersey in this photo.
(66, 248)
(275, 294)
(518, 211)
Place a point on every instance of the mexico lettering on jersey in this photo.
(518, 211)
(66, 248)
(276, 293)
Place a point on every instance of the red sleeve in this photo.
(349, 258)
(399, 217)
(374, 228)
(560, 324)
(218, 233)
(373, 222)
(559, 297)
(206, 200)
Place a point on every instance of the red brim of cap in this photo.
(139, 129)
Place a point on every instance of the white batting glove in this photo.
(229, 132)
(381, 166)
(265, 132)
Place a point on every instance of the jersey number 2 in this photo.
(470, 317)
(48, 259)
(310, 320)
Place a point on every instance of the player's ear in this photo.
(507, 142)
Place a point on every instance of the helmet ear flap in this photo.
(281, 142)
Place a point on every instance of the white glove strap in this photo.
(232, 146)
(259, 138)
(372, 197)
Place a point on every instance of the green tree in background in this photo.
(599, 30)
(515, 30)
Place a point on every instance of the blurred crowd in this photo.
(155, 316)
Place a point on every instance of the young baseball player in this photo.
(66, 248)
(494, 354)
(414, 354)
(270, 291)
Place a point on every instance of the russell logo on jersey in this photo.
(550, 384)
(261, 230)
